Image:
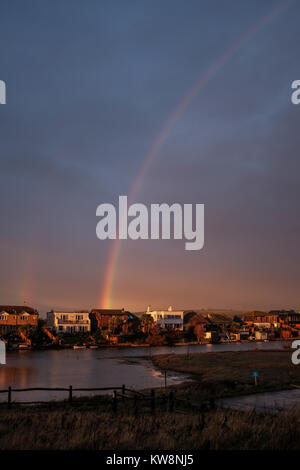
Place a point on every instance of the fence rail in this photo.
(122, 393)
(61, 389)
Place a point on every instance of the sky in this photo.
(90, 87)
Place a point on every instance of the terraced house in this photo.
(14, 316)
(69, 322)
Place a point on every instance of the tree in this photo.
(189, 332)
(147, 323)
(199, 332)
(156, 340)
(114, 324)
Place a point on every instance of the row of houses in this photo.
(259, 326)
(215, 327)
(99, 319)
(14, 316)
(251, 325)
(84, 321)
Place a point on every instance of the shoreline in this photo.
(134, 345)
(228, 374)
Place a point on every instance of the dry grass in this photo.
(94, 426)
(230, 373)
(74, 429)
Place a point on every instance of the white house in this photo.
(69, 322)
(261, 335)
(167, 318)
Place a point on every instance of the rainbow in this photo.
(106, 293)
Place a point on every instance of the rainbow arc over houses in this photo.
(206, 76)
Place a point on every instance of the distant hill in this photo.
(256, 313)
(205, 311)
(219, 311)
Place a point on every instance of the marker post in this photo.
(255, 374)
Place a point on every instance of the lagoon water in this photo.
(107, 367)
(268, 401)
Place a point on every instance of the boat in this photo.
(93, 346)
(76, 346)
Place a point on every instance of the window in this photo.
(3, 317)
(79, 317)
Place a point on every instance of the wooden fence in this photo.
(118, 393)
(69, 390)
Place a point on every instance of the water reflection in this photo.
(86, 368)
(20, 376)
(97, 368)
(267, 401)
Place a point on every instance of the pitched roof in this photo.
(194, 317)
(219, 318)
(108, 311)
(18, 309)
(113, 312)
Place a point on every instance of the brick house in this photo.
(14, 316)
(102, 318)
(289, 317)
(261, 319)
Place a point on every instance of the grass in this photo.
(76, 429)
(230, 373)
(95, 426)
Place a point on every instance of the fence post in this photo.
(9, 397)
(123, 392)
(115, 401)
(171, 401)
(152, 400)
(135, 404)
(70, 394)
